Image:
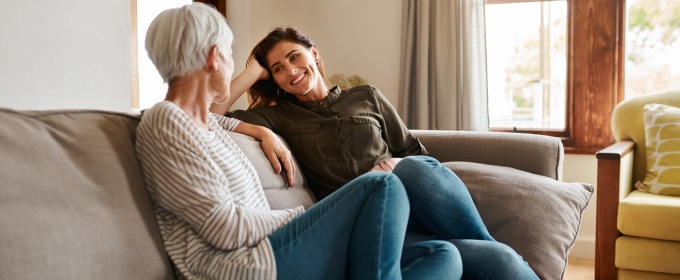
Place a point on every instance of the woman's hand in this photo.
(254, 67)
(278, 154)
(273, 148)
(387, 165)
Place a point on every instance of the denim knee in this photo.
(420, 159)
(378, 177)
(506, 259)
(435, 258)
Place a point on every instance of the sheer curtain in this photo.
(443, 76)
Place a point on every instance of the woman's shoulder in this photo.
(164, 113)
(160, 109)
(368, 90)
(361, 89)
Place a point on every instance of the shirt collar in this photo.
(333, 94)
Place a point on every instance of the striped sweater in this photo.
(211, 210)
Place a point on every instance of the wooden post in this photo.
(608, 181)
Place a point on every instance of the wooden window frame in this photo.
(220, 5)
(595, 73)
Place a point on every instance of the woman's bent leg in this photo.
(440, 202)
(434, 259)
(364, 222)
(491, 260)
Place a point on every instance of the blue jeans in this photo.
(359, 230)
(441, 206)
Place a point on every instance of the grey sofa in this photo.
(73, 203)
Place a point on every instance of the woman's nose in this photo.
(293, 70)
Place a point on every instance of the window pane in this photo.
(151, 87)
(527, 64)
(652, 46)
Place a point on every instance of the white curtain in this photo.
(443, 75)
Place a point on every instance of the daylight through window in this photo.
(151, 87)
(527, 64)
(652, 46)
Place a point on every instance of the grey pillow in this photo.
(278, 194)
(537, 216)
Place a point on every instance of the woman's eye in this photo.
(277, 69)
(293, 57)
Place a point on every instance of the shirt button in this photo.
(320, 102)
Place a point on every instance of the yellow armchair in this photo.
(638, 233)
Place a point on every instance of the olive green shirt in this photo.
(340, 137)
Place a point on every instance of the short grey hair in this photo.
(178, 40)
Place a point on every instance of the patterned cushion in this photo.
(662, 135)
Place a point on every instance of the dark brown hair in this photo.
(264, 92)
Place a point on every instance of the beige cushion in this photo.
(648, 254)
(650, 215)
(662, 135)
(72, 200)
(274, 185)
(537, 216)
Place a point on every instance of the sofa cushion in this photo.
(537, 216)
(648, 254)
(650, 215)
(630, 274)
(662, 135)
(72, 199)
(274, 185)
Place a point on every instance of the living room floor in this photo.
(580, 269)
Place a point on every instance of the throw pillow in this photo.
(662, 134)
(537, 216)
(274, 185)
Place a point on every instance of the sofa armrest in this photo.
(542, 155)
(614, 182)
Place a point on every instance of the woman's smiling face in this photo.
(294, 69)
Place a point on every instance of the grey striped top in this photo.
(212, 212)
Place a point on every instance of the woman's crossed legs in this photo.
(442, 206)
(360, 228)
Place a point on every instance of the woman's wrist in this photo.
(256, 71)
(262, 132)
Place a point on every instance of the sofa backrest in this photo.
(73, 204)
(72, 199)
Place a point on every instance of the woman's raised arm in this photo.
(248, 77)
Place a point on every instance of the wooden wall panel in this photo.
(220, 5)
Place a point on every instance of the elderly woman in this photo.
(214, 218)
(338, 135)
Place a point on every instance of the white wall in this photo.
(65, 54)
(583, 168)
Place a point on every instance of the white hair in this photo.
(178, 40)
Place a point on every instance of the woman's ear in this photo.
(212, 62)
(315, 54)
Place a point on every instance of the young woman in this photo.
(213, 216)
(340, 135)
